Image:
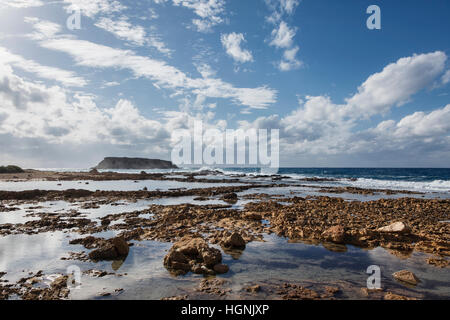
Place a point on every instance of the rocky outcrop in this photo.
(11, 169)
(134, 163)
(194, 254)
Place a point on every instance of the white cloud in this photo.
(67, 78)
(446, 77)
(290, 61)
(90, 54)
(21, 3)
(289, 5)
(232, 44)
(209, 11)
(282, 36)
(43, 29)
(91, 8)
(321, 127)
(137, 35)
(407, 75)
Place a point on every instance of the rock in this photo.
(110, 249)
(438, 262)
(393, 296)
(334, 234)
(234, 241)
(253, 216)
(253, 289)
(406, 277)
(396, 227)
(121, 246)
(94, 171)
(221, 268)
(134, 163)
(230, 197)
(192, 254)
(106, 252)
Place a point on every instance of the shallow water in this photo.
(120, 185)
(275, 260)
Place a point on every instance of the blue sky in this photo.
(341, 94)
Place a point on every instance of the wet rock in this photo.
(406, 277)
(192, 254)
(230, 197)
(438, 262)
(235, 241)
(221, 268)
(110, 250)
(396, 227)
(253, 216)
(394, 296)
(253, 289)
(334, 234)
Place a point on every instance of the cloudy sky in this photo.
(340, 94)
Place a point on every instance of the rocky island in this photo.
(134, 163)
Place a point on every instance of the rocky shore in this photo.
(200, 234)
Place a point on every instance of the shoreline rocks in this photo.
(194, 254)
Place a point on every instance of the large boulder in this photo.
(334, 234)
(192, 254)
(396, 227)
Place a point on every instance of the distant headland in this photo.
(134, 163)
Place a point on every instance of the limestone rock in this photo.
(396, 227)
(406, 277)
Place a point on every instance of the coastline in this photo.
(262, 210)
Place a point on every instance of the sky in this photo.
(341, 95)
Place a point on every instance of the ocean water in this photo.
(412, 179)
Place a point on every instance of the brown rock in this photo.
(192, 254)
(110, 250)
(396, 227)
(221, 268)
(234, 241)
(334, 234)
(121, 246)
(406, 276)
(393, 296)
(253, 216)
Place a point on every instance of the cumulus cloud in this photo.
(321, 127)
(232, 44)
(408, 75)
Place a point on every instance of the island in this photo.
(134, 163)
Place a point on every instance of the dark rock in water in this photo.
(11, 169)
(110, 250)
(234, 241)
(134, 163)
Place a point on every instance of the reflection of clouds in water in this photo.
(19, 252)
